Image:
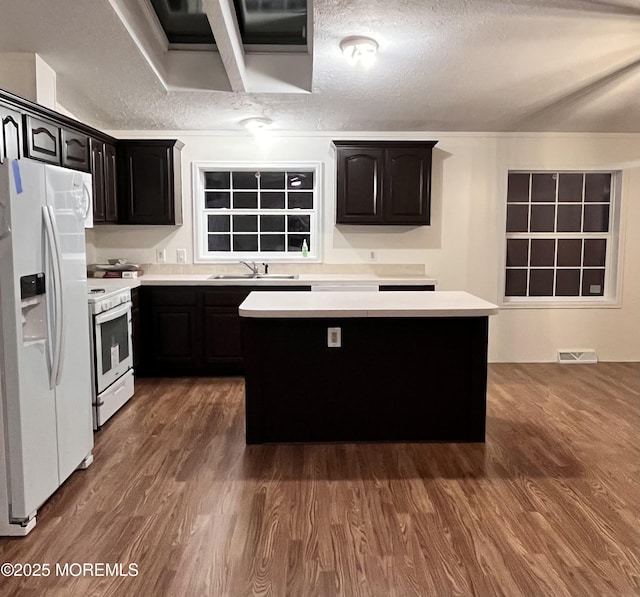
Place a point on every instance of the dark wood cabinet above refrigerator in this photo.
(10, 134)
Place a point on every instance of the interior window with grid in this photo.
(256, 213)
(559, 235)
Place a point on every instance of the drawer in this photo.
(226, 297)
(168, 295)
(113, 398)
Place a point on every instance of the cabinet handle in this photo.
(375, 189)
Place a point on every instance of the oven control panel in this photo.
(112, 301)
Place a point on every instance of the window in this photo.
(561, 240)
(281, 22)
(262, 211)
(272, 23)
(183, 21)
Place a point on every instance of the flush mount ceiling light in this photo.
(359, 49)
(256, 124)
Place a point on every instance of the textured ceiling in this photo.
(443, 65)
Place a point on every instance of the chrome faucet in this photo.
(252, 266)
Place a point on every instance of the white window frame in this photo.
(200, 249)
(611, 294)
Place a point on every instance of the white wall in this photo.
(463, 248)
(28, 76)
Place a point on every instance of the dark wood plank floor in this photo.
(549, 506)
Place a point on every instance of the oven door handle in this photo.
(114, 313)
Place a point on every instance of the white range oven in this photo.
(112, 363)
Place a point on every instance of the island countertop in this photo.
(269, 305)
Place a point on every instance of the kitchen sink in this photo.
(231, 277)
(254, 277)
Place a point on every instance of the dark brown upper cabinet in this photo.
(149, 182)
(41, 140)
(10, 134)
(103, 170)
(360, 185)
(75, 150)
(384, 182)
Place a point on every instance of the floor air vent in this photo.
(577, 357)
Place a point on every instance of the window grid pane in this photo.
(254, 211)
(558, 226)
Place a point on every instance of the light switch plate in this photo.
(181, 255)
(334, 337)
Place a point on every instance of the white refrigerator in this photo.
(45, 370)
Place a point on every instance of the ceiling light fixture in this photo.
(359, 49)
(256, 124)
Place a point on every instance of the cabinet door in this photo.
(172, 323)
(360, 184)
(10, 134)
(147, 186)
(222, 336)
(97, 173)
(75, 150)
(408, 186)
(223, 329)
(42, 141)
(110, 184)
(176, 348)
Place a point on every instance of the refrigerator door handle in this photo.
(57, 283)
(60, 335)
(87, 200)
(54, 263)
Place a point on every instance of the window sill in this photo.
(257, 259)
(556, 304)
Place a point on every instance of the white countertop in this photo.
(365, 304)
(301, 280)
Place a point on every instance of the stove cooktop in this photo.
(98, 294)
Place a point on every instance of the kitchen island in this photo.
(365, 367)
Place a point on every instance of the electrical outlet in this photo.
(161, 255)
(372, 255)
(181, 255)
(334, 337)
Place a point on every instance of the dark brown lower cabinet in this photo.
(175, 342)
(193, 330)
(196, 330)
(223, 337)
